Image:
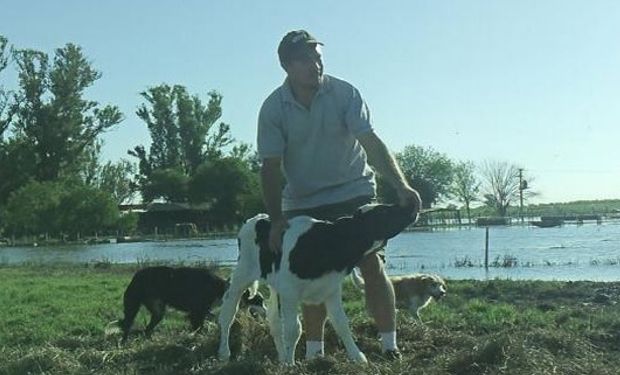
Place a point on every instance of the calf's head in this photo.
(384, 221)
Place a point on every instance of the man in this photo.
(317, 130)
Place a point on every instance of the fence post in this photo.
(486, 249)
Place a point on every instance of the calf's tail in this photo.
(357, 279)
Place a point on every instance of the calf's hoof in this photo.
(359, 358)
(223, 355)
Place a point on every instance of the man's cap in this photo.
(294, 42)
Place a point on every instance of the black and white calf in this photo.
(316, 256)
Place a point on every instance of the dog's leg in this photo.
(157, 309)
(291, 327)
(230, 305)
(196, 320)
(340, 322)
(275, 324)
(131, 305)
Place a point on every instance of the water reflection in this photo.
(585, 252)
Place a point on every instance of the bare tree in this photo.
(500, 185)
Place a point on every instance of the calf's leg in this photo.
(230, 305)
(340, 323)
(275, 323)
(291, 327)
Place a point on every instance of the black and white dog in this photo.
(316, 256)
(192, 290)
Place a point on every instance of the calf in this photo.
(192, 290)
(316, 256)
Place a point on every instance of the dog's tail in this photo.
(357, 279)
(113, 328)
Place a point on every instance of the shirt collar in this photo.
(287, 93)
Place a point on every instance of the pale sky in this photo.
(531, 82)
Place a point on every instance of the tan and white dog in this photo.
(412, 292)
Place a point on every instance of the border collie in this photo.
(192, 290)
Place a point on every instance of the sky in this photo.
(535, 83)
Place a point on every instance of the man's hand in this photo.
(278, 226)
(408, 196)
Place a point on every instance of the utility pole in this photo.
(521, 187)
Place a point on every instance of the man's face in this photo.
(305, 68)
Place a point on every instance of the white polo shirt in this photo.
(323, 162)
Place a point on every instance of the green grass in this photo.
(53, 320)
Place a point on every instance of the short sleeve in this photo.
(357, 116)
(270, 137)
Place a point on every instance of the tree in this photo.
(465, 187)
(183, 132)
(86, 210)
(115, 179)
(501, 185)
(170, 184)
(426, 170)
(14, 160)
(52, 119)
(5, 117)
(33, 209)
(112, 178)
(56, 208)
(17, 166)
(246, 154)
(227, 183)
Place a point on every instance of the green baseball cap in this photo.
(294, 42)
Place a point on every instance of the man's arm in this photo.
(271, 182)
(382, 160)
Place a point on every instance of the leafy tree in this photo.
(5, 117)
(86, 210)
(246, 154)
(51, 117)
(183, 132)
(112, 178)
(465, 186)
(170, 183)
(33, 209)
(54, 208)
(13, 160)
(90, 167)
(17, 166)
(226, 183)
(115, 179)
(161, 122)
(127, 223)
(426, 170)
(53, 130)
(186, 161)
(50, 114)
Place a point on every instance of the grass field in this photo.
(53, 319)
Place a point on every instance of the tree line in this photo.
(53, 181)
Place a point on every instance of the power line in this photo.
(586, 171)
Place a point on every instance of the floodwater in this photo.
(571, 252)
